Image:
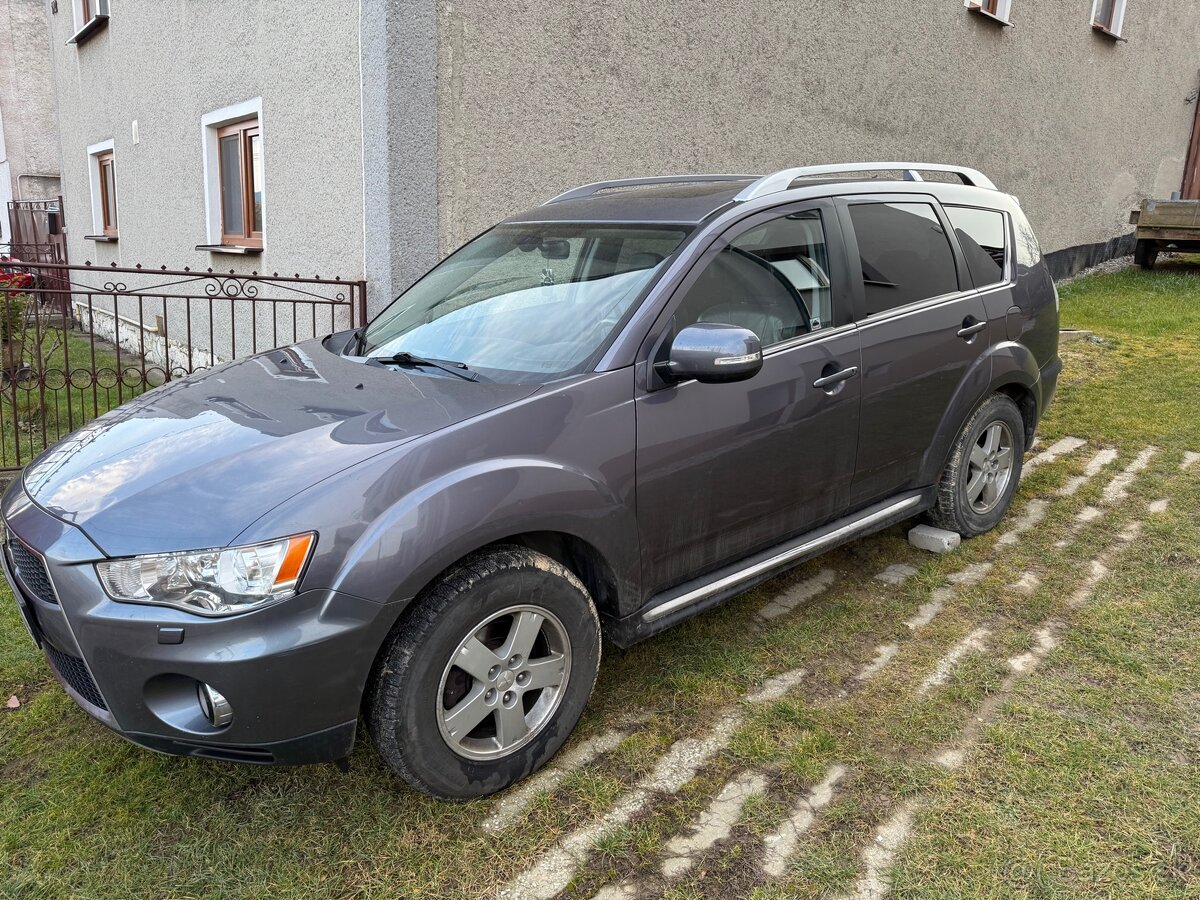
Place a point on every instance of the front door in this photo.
(727, 469)
(923, 328)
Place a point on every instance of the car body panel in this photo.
(237, 440)
(560, 460)
(904, 397)
(749, 457)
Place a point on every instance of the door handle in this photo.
(844, 375)
(971, 327)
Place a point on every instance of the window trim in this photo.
(999, 11)
(101, 231)
(211, 125)
(243, 130)
(105, 160)
(90, 17)
(1115, 25)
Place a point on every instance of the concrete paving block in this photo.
(896, 574)
(935, 540)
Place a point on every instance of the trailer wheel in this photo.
(1145, 253)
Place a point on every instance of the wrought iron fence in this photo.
(77, 341)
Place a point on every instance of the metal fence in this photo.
(76, 341)
(36, 231)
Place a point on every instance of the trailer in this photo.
(1165, 225)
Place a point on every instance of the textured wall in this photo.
(400, 162)
(28, 142)
(165, 63)
(536, 97)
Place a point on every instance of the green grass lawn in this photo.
(1083, 780)
(57, 393)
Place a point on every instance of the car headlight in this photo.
(211, 582)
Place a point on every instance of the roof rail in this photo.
(782, 180)
(588, 190)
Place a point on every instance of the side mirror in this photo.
(712, 353)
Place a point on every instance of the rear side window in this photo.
(983, 238)
(905, 254)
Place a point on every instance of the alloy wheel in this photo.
(504, 682)
(991, 467)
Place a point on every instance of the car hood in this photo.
(191, 464)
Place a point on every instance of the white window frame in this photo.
(210, 123)
(1118, 19)
(1003, 9)
(93, 152)
(100, 10)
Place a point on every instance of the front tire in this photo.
(984, 470)
(482, 683)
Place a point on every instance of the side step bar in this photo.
(741, 575)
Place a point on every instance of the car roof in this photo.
(690, 200)
(667, 203)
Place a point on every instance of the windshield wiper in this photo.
(457, 369)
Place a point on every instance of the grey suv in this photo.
(600, 417)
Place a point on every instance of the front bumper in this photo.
(294, 673)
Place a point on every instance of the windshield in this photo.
(525, 302)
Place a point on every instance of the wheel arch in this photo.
(1023, 397)
(582, 558)
(1007, 368)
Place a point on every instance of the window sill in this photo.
(230, 248)
(96, 23)
(1111, 35)
(101, 238)
(980, 11)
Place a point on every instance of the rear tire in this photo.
(984, 470)
(484, 680)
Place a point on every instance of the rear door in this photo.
(727, 469)
(924, 334)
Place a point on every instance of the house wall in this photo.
(28, 140)
(398, 40)
(165, 64)
(535, 98)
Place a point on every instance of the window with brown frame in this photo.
(240, 170)
(1108, 16)
(108, 194)
(999, 10)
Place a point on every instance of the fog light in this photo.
(216, 708)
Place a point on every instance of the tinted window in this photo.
(772, 279)
(906, 255)
(981, 234)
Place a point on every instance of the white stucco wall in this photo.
(533, 99)
(28, 139)
(165, 64)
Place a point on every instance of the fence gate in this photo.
(36, 229)
(77, 341)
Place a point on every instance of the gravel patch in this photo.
(1108, 267)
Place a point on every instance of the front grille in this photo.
(31, 570)
(75, 673)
